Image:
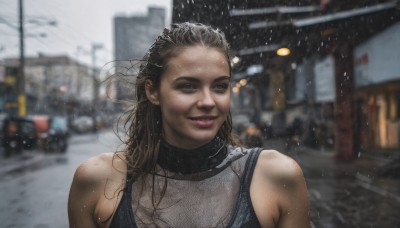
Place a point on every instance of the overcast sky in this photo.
(79, 24)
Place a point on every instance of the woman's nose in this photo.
(206, 100)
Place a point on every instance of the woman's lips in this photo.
(203, 121)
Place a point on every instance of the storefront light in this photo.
(283, 51)
(243, 82)
(235, 89)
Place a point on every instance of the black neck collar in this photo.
(197, 160)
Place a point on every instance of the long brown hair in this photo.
(143, 123)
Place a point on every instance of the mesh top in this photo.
(208, 199)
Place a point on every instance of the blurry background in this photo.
(317, 80)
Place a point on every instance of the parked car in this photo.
(83, 124)
(53, 132)
(17, 134)
(59, 134)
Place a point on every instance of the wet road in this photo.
(346, 194)
(342, 194)
(37, 195)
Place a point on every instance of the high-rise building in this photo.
(134, 35)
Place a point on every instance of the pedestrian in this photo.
(182, 167)
(252, 136)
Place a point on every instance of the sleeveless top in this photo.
(243, 214)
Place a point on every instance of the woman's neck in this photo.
(197, 160)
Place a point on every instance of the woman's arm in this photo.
(84, 195)
(279, 192)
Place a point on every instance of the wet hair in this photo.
(144, 123)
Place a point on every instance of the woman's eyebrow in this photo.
(187, 78)
(195, 79)
(222, 78)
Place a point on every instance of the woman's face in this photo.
(194, 96)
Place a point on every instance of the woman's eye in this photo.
(187, 87)
(221, 87)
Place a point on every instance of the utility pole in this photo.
(96, 83)
(21, 72)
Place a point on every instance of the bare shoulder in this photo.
(279, 185)
(99, 167)
(93, 189)
(274, 164)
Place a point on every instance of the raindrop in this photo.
(345, 73)
(359, 154)
(322, 44)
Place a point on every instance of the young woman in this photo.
(182, 167)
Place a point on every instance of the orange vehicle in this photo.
(52, 133)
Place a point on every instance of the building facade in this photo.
(133, 37)
(377, 90)
(53, 85)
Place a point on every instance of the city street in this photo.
(346, 194)
(34, 186)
